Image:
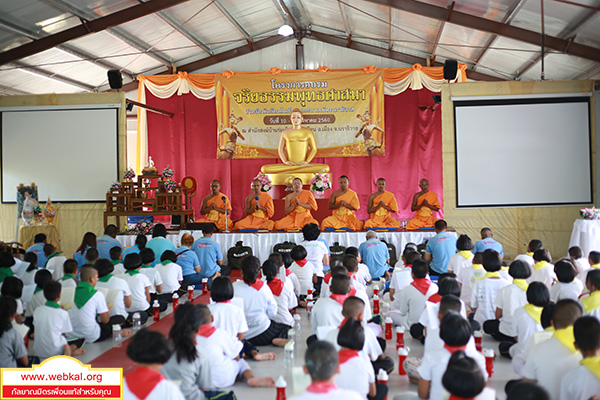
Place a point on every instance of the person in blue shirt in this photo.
(107, 241)
(38, 248)
(89, 241)
(159, 243)
(140, 243)
(375, 255)
(487, 242)
(440, 248)
(209, 255)
(188, 260)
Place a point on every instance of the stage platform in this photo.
(262, 243)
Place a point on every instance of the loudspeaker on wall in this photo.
(115, 80)
(450, 67)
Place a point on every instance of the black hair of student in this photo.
(311, 232)
(575, 252)
(147, 255)
(8, 308)
(91, 254)
(104, 267)
(519, 270)
(168, 255)
(115, 252)
(339, 270)
(464, 242)
(587, 333)
(298, 253)
(188, 319)
(287, 259)
(440, 225)
(542, 255)
(420, 268)
(492, 261)
(41, 277)
(221, 290)
(353, 307)
(340, 284)
(250, 268)
(111, 230)
(410, 256)
(208, 229)
(566, 312)
(321, 360)
(478, 257)
(352, 335)
(594, 257)
(565, 270)
(353, 251)
(450, 302)
(538, 294)
(39, 238)
(49, 249)
(32, 259)
(535, 244)
(89, 239)
(12, 286)
(525, 390)
(141, 241)
(132, 261)
(446, 275)
(277, 257)
(270, 269)
(546, 316)
(52, 290)
(455, 330)
(336, 261)
(6, 260)
(351, 263)
(463, 377)
(159, 231)
(149, 347)
(593, 278)
(70, 266)
(449, 286)
(205, 315)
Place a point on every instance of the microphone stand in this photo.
(226, 224)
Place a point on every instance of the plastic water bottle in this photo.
(309, 303)
(288, 352)
(292, 337)
(404, 224)
(136, 321)
(117, 337)
(298, 325)
(280, 385)
(156, 310)
(175, 301)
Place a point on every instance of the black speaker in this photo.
(450, 67)
(115, 80)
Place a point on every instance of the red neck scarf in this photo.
(453, 397)
(327, 278)
(340, 298)
(434, 298)
(346, 354)
(422, 285)
(142, 381)
(343, 322)
(321, 387)
(452, 349)
(276, 286)
(302, 263)
(408, 266)
(226, 301)
(352, 292)
(206, 330)
(257, 284)
(288, 272)
(353, 275)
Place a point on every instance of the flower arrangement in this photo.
(168, 172)
(38, 214)
(590, 213)
(320, 182)
(129, 173)
(265, 182)
(142, 228)
(116, 186)
(170, 184)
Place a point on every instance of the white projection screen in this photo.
(70, 153)
(523, 151)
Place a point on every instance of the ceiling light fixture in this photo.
(285, 30)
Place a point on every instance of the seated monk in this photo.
(424, 203)
(297, 147)
(297, 207)
(258, 211)
(343, 202)
(213, 206)
(382, 204)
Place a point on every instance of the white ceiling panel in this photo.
(255, 16)
(559, 67)
(507, 56)
(461, 43)
(35, 84)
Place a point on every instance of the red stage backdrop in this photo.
(413, 138)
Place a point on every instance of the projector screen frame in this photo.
(528, 99)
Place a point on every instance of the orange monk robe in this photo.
(258, 219)
(343, 217)
(382, 218)
(216, 217)
(424, 216)
(299, 216)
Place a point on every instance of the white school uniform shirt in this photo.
(545, 275)
(525, 327)
(84, 319)
(571, 290)
(50, 324)
(429, 318)
(326, 312)
(548, 362)
(467, 276)
(137, 286)
(579, 384)
(458, 262)
(527, 258)
(371, 349)
(221, 350)
(304, 275)
(171, 274)
(259, 307)
(315, 251)
(363, 274)
(434, 365)
(118, 269)
(484, 297)
(356, 374)
(121, 285)
(583, 265)
(164, 390)
(509, 298)
(337, 394)
(401, 278)
(362, 294)
(594, 313)
(229, 317)
(36, 301)
(28, 278)
(291, 277)
(285, 302)
(153, 276)
(433, 342)
(56, 266)
(412, 304)
(67, 283)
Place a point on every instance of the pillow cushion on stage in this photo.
(383, 229)
(237, 253)
(284, 247)
(338, 230)
(253, 230)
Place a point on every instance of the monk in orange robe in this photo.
(213, 207)
(382, 204)
(343, 202)
(257, 212)
(424, 203)
(298, 205)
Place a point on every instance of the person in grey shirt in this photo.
(12, 347)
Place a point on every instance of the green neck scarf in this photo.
(146, 266)
(5, 272)
(166, 262)
(52, 304)
(115, 262)
(105, 278)
(83, 292)
(67, 276)
(51, 256)
(132, 272)
(37, 289)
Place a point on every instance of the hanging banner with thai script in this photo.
(343, 111)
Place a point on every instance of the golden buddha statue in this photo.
(297, 148)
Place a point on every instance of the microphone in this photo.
(224, 200)
(256, 198)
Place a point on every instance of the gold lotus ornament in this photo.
(49, 211)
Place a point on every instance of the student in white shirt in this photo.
(54, 261)
(463, 379)
(447, 285)
(317, 252)
(468, 276)
(304, 270)
(464, 255)
(41, 277)
(69, 279)
(363, 274)
(170, 273)
(13, 287)
(486, 289)
(32, 268)
(321, 362)
(285, 273)
(543, 270)
(334, 263)
(351, 265)
(107, 280)
(583, 382)
(402, 277)
(591, 301)
(51, 323)
(328, 310)
(582, 263)
(12, 348)
(568, 286)
(115, 259)
(282, 291)
(139, 287)
(152, 273)
(532, 247)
